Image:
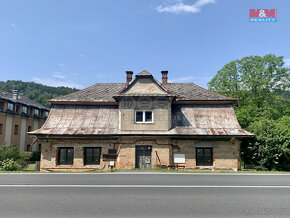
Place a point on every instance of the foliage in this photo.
(9, 165)
(37, 92)
(261, 85)
(12, 158)
(271, 148)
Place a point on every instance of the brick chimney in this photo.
(129, 76)
(164, 77)
(15, 94)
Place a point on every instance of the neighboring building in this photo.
(19, 115)
(141, 124)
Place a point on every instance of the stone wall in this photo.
(226, 154)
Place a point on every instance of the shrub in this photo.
(9, 165)
(13, 158)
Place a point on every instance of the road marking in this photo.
(144, 186)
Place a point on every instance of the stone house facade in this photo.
(141, 124)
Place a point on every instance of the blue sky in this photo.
(77, 43)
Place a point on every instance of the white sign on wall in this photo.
(179, 158)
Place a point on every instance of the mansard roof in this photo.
(103, 120)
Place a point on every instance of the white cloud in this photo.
(287, 62)
(181, 79)
(56, 83)
(181, 7)
(58, 75)
(82, 55)
(14, 26)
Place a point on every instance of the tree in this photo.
(261, 85)
(37, 92)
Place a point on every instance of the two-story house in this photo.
(19, 115)
(141, 124)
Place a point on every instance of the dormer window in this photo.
(24, 109)
(144, 116)
(10, 106)
(36, 112)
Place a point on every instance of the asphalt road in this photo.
(144, 195)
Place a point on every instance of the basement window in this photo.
(65, 156)
(144, 116)
(204, 157)
(92, 156)
(1, 128)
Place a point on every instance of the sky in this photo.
(78, 43)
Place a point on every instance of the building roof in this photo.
(187, 120)
(21, 100)
(104, 92)
(144, 73)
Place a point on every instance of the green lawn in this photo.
(31, 169)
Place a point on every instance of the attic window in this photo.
(144, 116)
(24, 109)
(36, 112)
(10, 106)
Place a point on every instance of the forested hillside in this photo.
(35, 91)
(262, 86)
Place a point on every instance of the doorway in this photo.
(143, 157)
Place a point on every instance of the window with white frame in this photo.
(36, 112)
(10, 106)
(144, 116)
(24, 109)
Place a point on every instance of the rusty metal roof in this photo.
(187, 120)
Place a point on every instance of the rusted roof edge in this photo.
(140, 135)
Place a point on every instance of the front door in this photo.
(143, 157)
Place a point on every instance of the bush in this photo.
(12, 158)
(9, 165)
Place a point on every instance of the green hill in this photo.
(35, 91)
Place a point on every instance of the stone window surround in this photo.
(211, 152)
(84, 156)
(58, 155)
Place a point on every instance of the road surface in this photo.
(144, 194)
